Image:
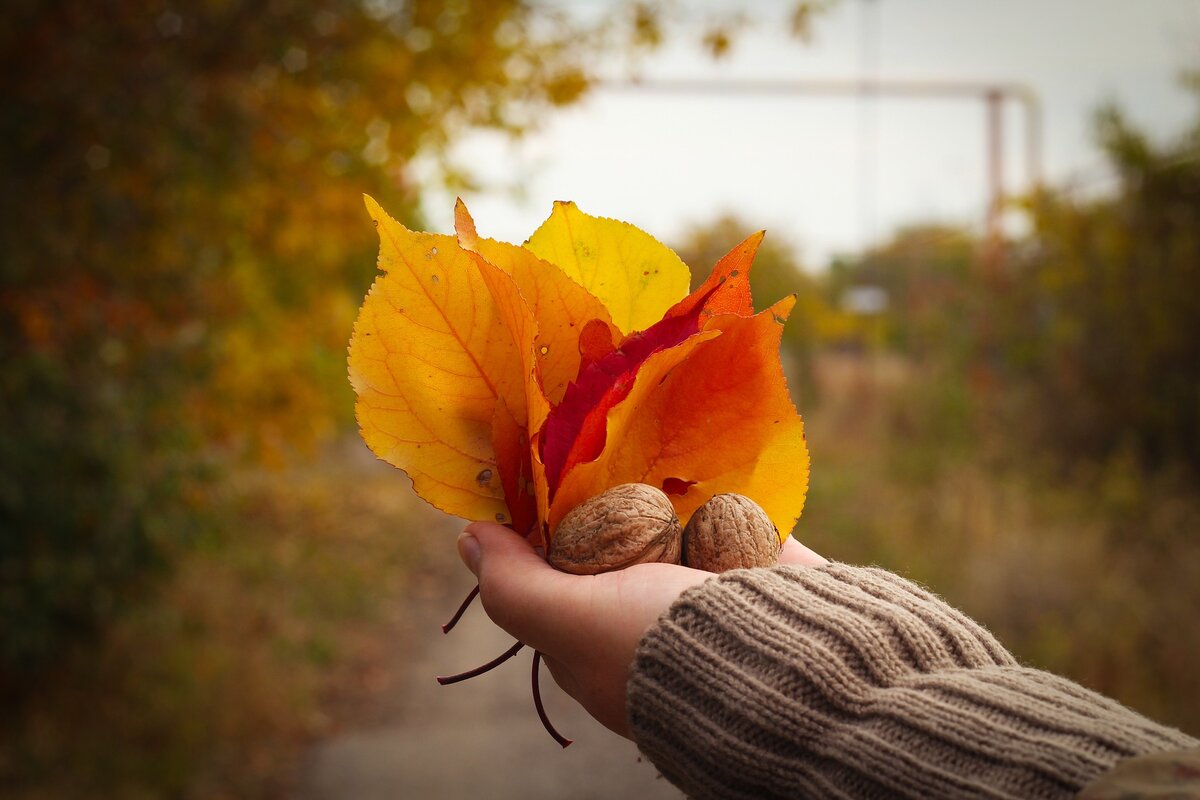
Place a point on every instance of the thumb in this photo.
(499, 545)
(518, 588)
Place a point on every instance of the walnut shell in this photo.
(729, 532)
(629, 524)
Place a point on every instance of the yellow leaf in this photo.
(635, 276)
(429, 357)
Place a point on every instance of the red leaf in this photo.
(575, 429)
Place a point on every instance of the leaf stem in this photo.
(446, 680)
(462, 609)
(537, 703)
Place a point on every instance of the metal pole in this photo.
(993, 254)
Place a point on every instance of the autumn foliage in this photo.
(514, 382)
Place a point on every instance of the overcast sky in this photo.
(802, 167)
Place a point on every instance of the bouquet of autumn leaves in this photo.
(515, 383)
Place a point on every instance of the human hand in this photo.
(587, 627)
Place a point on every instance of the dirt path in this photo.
(476, 739)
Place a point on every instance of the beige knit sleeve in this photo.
(841, 681)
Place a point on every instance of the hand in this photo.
(587, 627)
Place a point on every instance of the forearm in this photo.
(845, 681)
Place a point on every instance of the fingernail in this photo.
(468, 551)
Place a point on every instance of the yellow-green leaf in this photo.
(636, 277)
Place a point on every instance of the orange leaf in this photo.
(720, 420)
(559, 307)
(511, 424)
(727, 288)
(429, 358)
(575, 429)
(581, 481)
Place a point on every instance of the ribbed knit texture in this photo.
(840, 681)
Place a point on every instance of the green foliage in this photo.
(1103, 316)
(1086, 341)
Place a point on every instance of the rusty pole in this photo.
(993, 258)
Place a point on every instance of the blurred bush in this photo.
(1103, 316)
(184, 247)
(1086, 341)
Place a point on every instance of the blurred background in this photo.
(209, 588)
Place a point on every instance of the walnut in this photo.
(629, 524)
(728, 532)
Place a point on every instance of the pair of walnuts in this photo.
(635, 523)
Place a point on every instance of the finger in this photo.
(520, 591)
(798, 555)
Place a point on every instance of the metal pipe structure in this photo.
(992, 94)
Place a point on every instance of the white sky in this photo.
(796, 166)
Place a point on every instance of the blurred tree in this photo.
(1104, 319)
(184, 246)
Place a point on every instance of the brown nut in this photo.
(728, 532)
(629, 524)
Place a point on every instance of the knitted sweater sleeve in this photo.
(841, 681)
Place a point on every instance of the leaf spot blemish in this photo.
(484, 477)
(543, 349)
(677, 486)
(732, 273)
(501, 518)
(436, 279)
